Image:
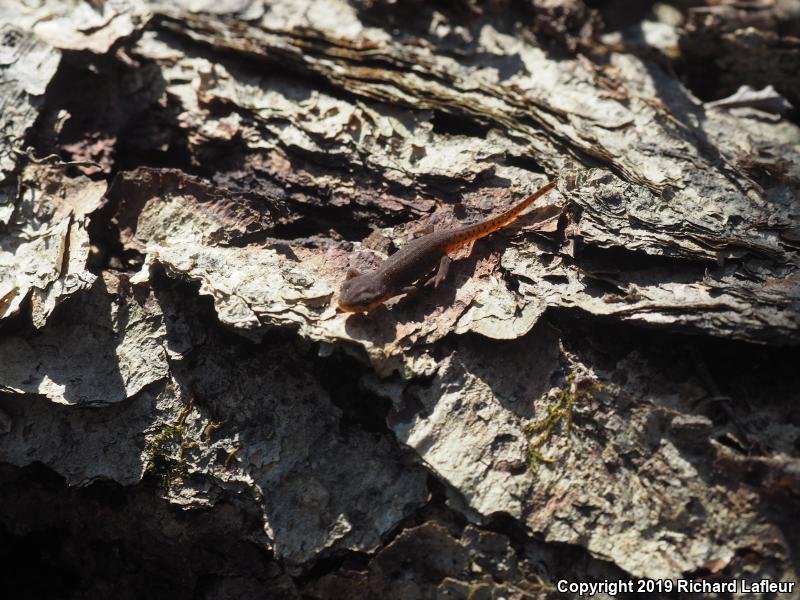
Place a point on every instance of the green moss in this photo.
(165, 455)
(559, 416)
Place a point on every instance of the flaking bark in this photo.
(607, 389)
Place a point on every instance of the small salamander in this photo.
(415, 260)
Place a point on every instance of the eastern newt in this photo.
(415, 260)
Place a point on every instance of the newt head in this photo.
(361, 293)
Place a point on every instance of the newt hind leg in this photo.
(438, 278)
(441, 272)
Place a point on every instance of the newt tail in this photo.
(415, 260)
(470, 233)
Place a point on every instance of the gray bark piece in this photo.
(470, 430)
(714, 300)
(617, 214)
(120, 341)
(629, 494)
(321, 490)
(82, 444)
(26, 67)
(75, 24)
(45, 248)
(767, 99)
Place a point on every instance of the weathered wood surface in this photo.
(607, 390)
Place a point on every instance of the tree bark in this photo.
(606, 390)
